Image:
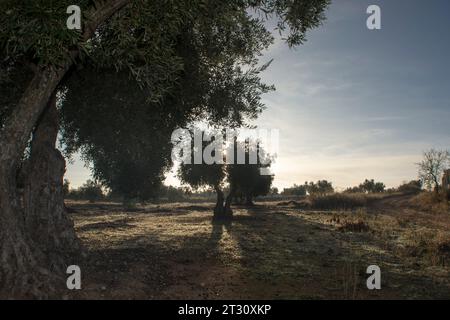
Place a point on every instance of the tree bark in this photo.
(23, 264)
(218, 209)
(21, 274)
(227, 209)
(249, 200)
(223, 211)
(45, 216)
(22, 269)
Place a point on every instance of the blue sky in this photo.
(353, 103)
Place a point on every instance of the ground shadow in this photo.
(281, 255)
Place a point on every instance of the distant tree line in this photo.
(320, 187)
(368, 186)
(90, 191)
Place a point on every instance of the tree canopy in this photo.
(240, 179)
(211, 84)
(248, 180)
(124, 46)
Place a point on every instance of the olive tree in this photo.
(38, 54)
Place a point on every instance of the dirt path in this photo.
(268, 252)
(393, 202)
(405, 210)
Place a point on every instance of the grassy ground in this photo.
(270, 251)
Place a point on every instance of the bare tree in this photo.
(432, 167)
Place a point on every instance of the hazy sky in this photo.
(353, 103)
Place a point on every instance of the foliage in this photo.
(296, 190)
(136, 39)
(90, 190)
(210, 85)
(274, 191)
(246, 179)
(172, 194)
(202, 175)
(322, 187)
(414, 186)
(353, 190)
(126, 140)
(338, 201)
(140, 37)
(368, 186)
(66, 187)
(190, 59)
(243, 180)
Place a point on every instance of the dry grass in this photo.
(174, 251)
(339, 201)
(430, 202)
(353, 222)
(335, 201)
(429, 245)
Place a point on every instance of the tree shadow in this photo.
(282, 255)
(307, 259)
(117, 224)
(218, 228)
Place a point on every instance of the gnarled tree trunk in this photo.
(21, 274)
(24, 268)
(45, 217)
(36, 245)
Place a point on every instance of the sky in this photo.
(353, 103)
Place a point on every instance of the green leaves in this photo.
(37, 30)
(293, 18)
(150, 67)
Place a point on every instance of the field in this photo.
(270, 251)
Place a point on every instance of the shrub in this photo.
(353, 222)
(322, 187)
(90, 191)
(353, 190)
(354, 226)
(296, 190)
(412, 187)
(338, 201)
